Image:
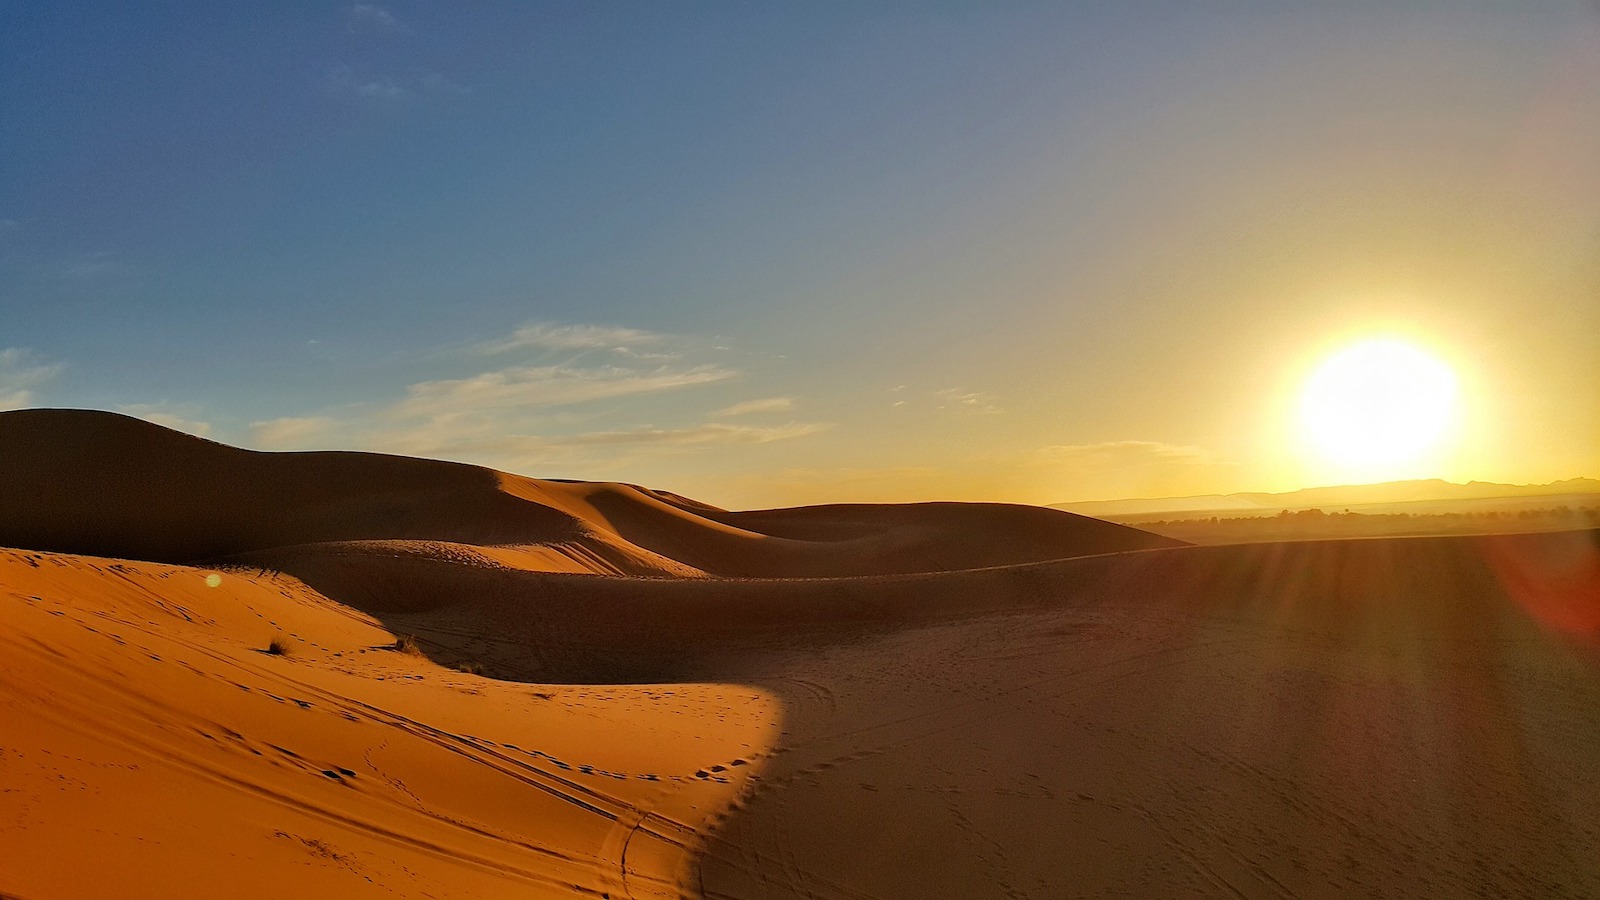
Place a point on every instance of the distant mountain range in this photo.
(1432, 492)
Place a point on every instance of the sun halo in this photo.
(1378, 409)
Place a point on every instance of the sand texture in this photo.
(497, 686)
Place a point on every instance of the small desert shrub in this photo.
(407, 643)
(278, 646)
(470, 668)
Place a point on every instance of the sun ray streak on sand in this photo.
(348, 675)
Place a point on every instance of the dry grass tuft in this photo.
(278, 646)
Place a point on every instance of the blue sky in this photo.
(782, 253)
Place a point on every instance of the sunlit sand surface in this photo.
(145, 728)
(502, 687)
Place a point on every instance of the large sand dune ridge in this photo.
(90, 482)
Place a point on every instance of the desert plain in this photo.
(227, 673)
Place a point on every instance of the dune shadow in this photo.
(1323, 711)
(574, 628)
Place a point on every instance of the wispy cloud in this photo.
(531, 387)
(708, 433)
(971, 401)
(372, 17)
(181, 417)
(291, 432)
(547, 416)
(587, 451)
(91, 265)
(553, 336)
(1121, 469)
(374, 83)
(755, 407)
(1123, 452)
(21, 372)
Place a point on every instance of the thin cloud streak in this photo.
(521, 415)
(552, 336)
(1126, 451)
(372, 17)
(969, 401)
(532, 387)
(554, 453)
(292, 432)
(21, 372)
(527, 418)
(1131, 468)
(709, 433)
(755, 407)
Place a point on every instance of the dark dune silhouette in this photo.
(83, 481)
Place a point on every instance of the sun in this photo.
(1378, 409)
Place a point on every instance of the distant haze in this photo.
(1396, 496)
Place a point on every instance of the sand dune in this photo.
(97, 483)
(935, 700)
(144, 728)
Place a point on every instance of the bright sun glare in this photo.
(1381, 408)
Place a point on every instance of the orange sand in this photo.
(933, 700)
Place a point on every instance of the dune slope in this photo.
(143, 726)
